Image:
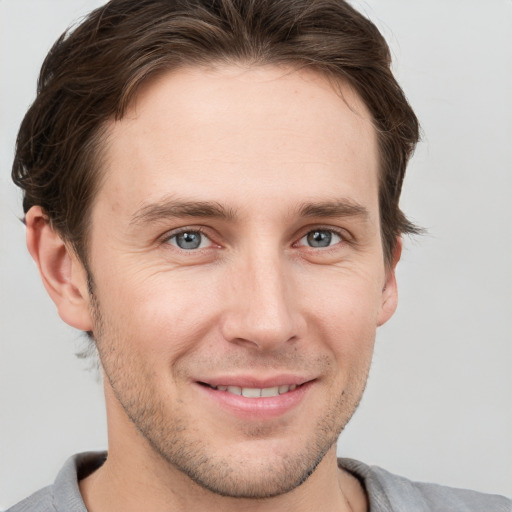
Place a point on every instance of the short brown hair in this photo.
(91, 74)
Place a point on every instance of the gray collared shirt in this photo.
(386, 492)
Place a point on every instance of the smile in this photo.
(253, 399)
(257, 392)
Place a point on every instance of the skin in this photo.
(251, 161)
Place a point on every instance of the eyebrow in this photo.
(169, 208)
(336, 208)
(174, 208)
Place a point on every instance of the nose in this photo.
(263, 311)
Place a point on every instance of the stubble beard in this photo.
(175, 440)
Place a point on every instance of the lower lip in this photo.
(257, 408)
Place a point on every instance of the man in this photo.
(211, 192)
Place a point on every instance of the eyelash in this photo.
(174, 234)
(342, 234)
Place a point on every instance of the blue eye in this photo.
(321, 238)
(189, 240)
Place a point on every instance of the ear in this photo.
(63, 275)
(389, 290)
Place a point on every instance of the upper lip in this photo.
(247, 381)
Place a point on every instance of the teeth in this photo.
(257, 392)
(251, 392)
(270, 391)
(235, 390)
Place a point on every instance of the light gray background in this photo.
(438, 404)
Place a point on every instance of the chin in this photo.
(251, 478)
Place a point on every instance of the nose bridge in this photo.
(262, 309)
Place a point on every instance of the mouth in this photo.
(252, 392)
(254, 398)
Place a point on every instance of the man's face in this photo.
(235, 248)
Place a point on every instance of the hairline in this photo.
(100, 138)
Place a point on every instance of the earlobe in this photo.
(62, 273)
(390, 290)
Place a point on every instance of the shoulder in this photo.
(64, 494)
(389, 493)
(40, 501)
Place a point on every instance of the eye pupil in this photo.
(319, 238)
(188, 240)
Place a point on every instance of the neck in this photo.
(135, 477)
(129, 483)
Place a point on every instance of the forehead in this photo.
(250, 133)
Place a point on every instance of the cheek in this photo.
(350, 299)
(159, 315)
(343, 311)
(163, 314)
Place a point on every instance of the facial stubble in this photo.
(177, 441)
